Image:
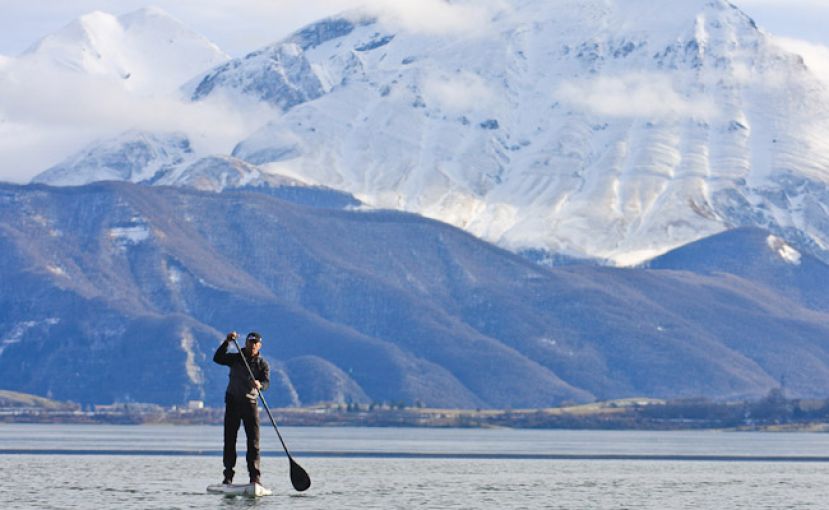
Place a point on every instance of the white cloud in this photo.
(800, 19)
(649, 95)
(816, 56)
(427, 16)
(437, 16)
(791, 4)
(237, 26)
(240, 26)
(47, 114)
(457, 93)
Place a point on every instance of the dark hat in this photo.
(254, 336)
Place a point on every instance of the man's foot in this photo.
(227, 481)
(255, 480)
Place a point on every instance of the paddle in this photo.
(299, 477)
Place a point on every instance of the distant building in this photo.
(127, 407)
(195, 404)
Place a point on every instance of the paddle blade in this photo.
(299, 478)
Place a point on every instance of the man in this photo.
(240, 400)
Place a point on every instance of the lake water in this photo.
(168, 467)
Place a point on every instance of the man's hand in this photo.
(257, 384)
(231, 337)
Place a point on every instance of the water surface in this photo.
(138, 479)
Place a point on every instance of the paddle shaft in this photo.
(262, 397)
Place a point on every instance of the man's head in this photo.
(253, 342)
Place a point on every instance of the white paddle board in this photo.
(251, 490)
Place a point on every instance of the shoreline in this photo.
(424, 419)
(775, 413)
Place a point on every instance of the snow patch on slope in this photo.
(783, 249)
(136, 232)
(16, 333)
(194, 373)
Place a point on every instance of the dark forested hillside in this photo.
(116, 291)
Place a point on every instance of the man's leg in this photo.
(233, 416)
(250, 418)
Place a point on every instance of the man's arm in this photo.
(222, 357)
(265, 376)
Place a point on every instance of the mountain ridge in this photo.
(543, 135)
(123, 291)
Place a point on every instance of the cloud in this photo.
(797, 4)
(237, 26)
(632, 95)
(46, 114)
(816, 56)
(421, 16)
(240, 26)
(801, 19)
(457, 93)
(438, 16)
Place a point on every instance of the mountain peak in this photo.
(758, 256)
(146, 51)
(612, 130)
(156, 18)
(95, 20)
(81, 31)
(132, 156)
(149, 11)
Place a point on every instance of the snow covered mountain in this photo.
(215, 173)
(147, 51)
(607, 129)
(170, 160)
(133, 156)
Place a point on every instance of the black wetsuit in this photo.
(241, 406)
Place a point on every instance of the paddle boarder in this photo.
(240, 400)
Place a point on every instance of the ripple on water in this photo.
(130, 482)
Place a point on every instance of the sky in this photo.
(236, 26)
(240, 26)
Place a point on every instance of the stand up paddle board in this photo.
(251, 490)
